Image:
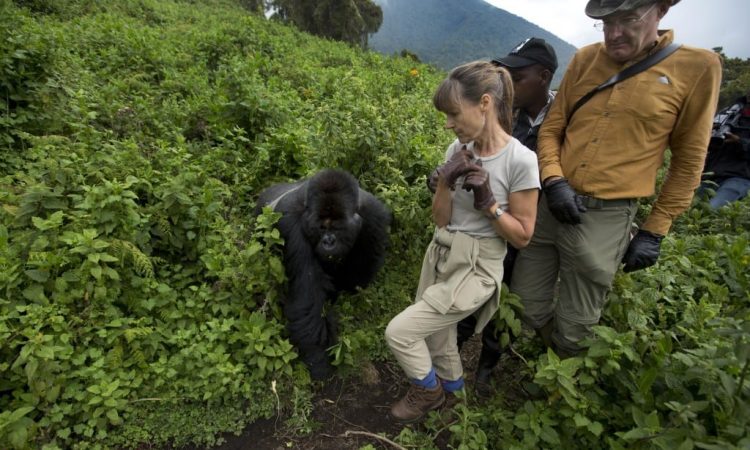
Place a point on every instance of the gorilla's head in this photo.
(330, 222)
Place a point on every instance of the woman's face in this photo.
(468, 122)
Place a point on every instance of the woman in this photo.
(485, 195)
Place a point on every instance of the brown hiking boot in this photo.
(417, 402)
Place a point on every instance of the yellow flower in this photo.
(414, 72)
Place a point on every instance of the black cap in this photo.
(531, 51)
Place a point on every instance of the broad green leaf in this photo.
(635, 434)
(114, 417)
(596, 428)
(15, 416)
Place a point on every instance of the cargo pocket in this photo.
(473, 292)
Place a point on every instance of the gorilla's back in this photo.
(279, 196)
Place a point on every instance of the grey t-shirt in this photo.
(512, 169)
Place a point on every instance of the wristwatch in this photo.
(498, 212)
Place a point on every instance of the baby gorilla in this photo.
(335, 239)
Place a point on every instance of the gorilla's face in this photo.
(333, 237)
(330, 221)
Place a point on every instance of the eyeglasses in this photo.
(622, 23)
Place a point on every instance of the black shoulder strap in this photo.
(628, 72)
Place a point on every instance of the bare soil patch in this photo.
(354, 411)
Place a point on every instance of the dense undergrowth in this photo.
(139, 302)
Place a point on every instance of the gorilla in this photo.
(335, 239)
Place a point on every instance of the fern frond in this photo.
(141, 262)
(163, 225)
(132, 333)
(138, 356)
(114, 358)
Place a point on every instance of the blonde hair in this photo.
(469, 82)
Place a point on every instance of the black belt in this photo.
(599, 203)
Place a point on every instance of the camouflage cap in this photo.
(597, 9)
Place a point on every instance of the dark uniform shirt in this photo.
(526, 128)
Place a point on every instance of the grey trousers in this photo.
(583, 257)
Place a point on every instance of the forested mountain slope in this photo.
(447, 33)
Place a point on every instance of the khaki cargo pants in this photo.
(460, 276)
(584, 257)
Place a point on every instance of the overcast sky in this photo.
(699, 23)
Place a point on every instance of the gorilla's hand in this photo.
(317, 362)
(459, 164)
(478, 181)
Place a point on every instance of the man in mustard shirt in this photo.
(595, 164)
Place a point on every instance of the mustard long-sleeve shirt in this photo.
(615, 143)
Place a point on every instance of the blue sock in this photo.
(429, 382)
(453, 386)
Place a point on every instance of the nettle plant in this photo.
(120, 290)
(668, 367)
(136, 289)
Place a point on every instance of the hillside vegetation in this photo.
(139, 301)
(134, 286)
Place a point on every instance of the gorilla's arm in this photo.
(368, 254)
(308, 289)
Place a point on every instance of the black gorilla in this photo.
(335, 239)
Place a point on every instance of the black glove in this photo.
(643, 251)
(563, 202)
(478, 180)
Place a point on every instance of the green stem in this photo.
(742, 379)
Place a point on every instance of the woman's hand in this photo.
(459, 164)
(478, 181)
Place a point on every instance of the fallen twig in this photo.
(517, 354)
(372, 435)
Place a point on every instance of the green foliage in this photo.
(27, 55)
(668, 366)
(410, 438)
(300, 421)
(154, 421)
(139, 300)
(466, 432)
(735, 80)
(343, 20)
